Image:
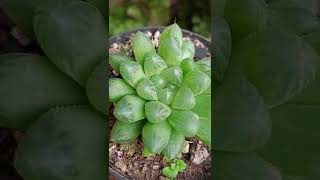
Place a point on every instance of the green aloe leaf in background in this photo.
(246, 125)
(222, 46)
(295, 131)
(30, 85)
(44, 99)
(101, 5)
(239, 166)
(250, 11)
(78, 44)
(96, 87)
(291, 17)
(282, 55)
(271, 80)
(64, 143)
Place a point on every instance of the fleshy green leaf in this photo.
(197, 81)
(310, 5)
(158, 81)
(187, 65)
(175, 145)
(141, 46)
(146, 152)
(166, 95)
(170, 51)
(238, 104)
(66, 144)
(170, 173)
(116, 59)
(147, 90)
(269, 54)
(187, 49)
(293, 19)
(253, 12)
(295, 129)
(219, 64)
(222, 36)
(203, 65)
(222, 50)
(309, 95)
(97, 87)
(156, 136)
(203, 110)
(130, 109)
(183, 99)
(101, 5)
(218, 7)
(132, 73)
(173, 74)
(240, 166)
(123, 132)
(313, 39)
(153, 64)
(171, 86)
(180, 164)
(172, 31)
(73, 36)
(157, 111)
(118, 88)
(185, 122)
(22, 12)
(30, 85)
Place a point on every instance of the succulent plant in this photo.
(162, 94)
(58, 99)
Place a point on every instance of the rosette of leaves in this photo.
(59, 100)
(267, 97)
(162, 94)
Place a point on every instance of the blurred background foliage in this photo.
(125, 15)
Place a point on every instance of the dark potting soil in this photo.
(127, 159)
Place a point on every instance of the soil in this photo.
(127, 159)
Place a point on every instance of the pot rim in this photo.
(118, 38)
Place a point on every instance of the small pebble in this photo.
(200, 155)
(144, 169)
(149, 34)
(121, 165)
(157, 35)
(156, 166)
(115, 73)
(115, 45)
(186, 147)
